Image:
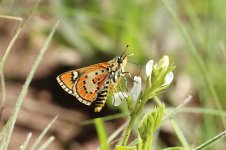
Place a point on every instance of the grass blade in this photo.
(117, 132)
(11, 18)
(43, 134)
(17, 33)
(2, 103)
(11, 122)
(207, 111)
(24, 145)
(106, 118)
(101, 133)
(46, 144)
(178, 108)
(212, 141)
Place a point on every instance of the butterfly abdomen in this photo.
(101, 98)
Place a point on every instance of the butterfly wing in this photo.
(67, 81)
(85, 83)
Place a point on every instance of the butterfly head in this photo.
(118, 63)
(121, 60)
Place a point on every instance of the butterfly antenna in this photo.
(124, 51)
(125, 83)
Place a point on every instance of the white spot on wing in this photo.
(83, 101)
(66, 89)
(75, 75)
(70, 92)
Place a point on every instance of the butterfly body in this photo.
(93, 83)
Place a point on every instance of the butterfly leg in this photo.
(125, 83)
(129, 75)
(113, 101)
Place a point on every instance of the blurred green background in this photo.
(192, 33)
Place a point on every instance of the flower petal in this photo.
(118, 97)
(168, 79)
(165, 61)
(149, 67)
(135, 91)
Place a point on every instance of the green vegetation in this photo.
(191, 33)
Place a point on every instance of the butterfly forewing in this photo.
(87, 84)
(67, 81)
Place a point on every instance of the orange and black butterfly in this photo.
(93, 83)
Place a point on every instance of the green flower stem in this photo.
(133, 115)
(128, 129)
(147, 145)
(150, 92)
(130, 104)
(139, 105)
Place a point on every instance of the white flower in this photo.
(118, 97)
(164, 61)
(149, 67)
(155, 72)
(168, 79)
(134, 93)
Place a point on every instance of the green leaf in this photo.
(151, 121)
(175, 148)
(148, 125)
(118, 147)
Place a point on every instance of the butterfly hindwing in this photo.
(90, 83)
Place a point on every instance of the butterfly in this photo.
(93, 83)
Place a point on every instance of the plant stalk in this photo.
(128, 129)
(136, 110)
